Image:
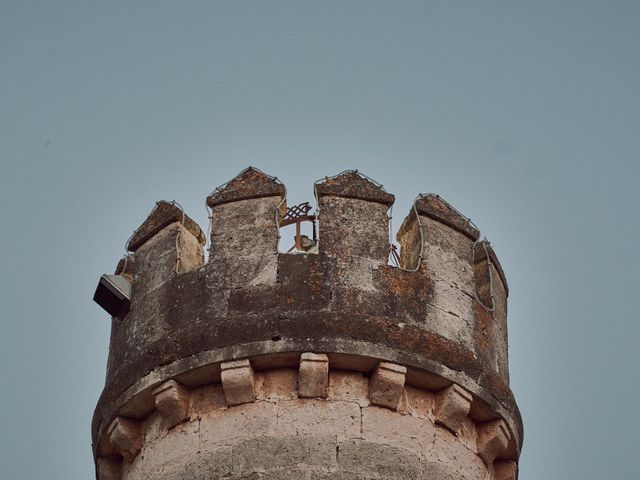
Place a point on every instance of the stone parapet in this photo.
(435, 324)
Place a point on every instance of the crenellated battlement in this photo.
(440, 314)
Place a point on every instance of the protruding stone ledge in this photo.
(164, 213)
(433, 206)
(352, 184)
(250, 183)
(313, 375)
(492, 440)
(238, 382)
(125, 435)
(387, 384)
(452, 406)
(172, 401)
(505, 470)
(109, 468)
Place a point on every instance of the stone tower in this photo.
(325, 365)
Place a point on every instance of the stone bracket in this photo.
(126, 437)
(387, 384)
(313, 375)
(172, 401)
(452, 406)
(505, 470)
(492, 440)
(238, 382)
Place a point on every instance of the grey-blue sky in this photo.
(525, 115)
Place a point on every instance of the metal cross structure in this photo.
(298, 214)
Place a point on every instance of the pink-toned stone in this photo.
(238, 382)
(318, 417)
(276, 384)
(452, 406)
(384, 426)
(206, 399)
(416, 402)
(126, 437)
(458, 461)
(505, 470)
(493, 439)
(313, 376)
(467, 434)
(172, 401)
(349, 387)
(109, 468)
(387, 384)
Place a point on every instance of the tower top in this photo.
(433, 327)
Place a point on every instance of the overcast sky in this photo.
(524, 115)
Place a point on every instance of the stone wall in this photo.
(438, 324)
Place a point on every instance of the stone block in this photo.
(387, 384)
(318, 417)
(452, 406)
(268, 453)
(125, 435)
(372, 460)
(313, 376)
(505, 470)
(493, 439)
(384, 426)
(349, 387)
(109, 468)
(172, 401)
(417, 403)
(277, 384)
(459, 461)
(238, 382)
(207, 399)
(232, 425)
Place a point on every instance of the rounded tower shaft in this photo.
(327, 365)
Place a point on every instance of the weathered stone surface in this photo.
(238, 382)
(435, 207)
(207, 399)
(480, 255)
(303, 438)
(276, 384)
(267, 453)
(313, 378)
(172, 401)
(380, 459)
(493, 439)
(126, 437)
(189, 321)
(417, 402)
(250, 183)
(349, 387)
(384, 426)
(109, 468)
(505, 470)
(452, 406)
(309, 417)
(164, 214)
(387, 384)
(214, 324)
(353, 228)
(455, 458)
(351, 184)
